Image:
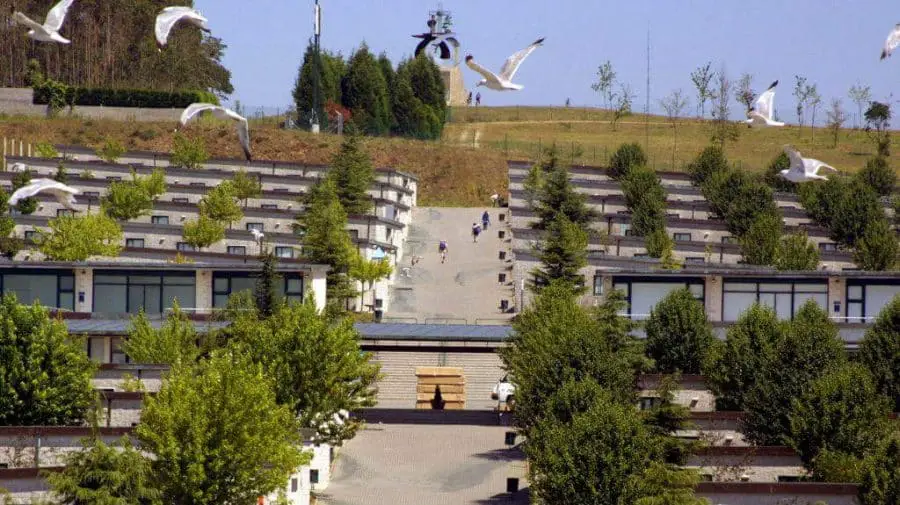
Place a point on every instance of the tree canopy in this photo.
(879, 351)
(364, 92)
(678, 333)
(352, 173)
(77, 238)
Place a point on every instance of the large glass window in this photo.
(642, 296)
(289, 286)
(50, 289)
(153, 292)
(865, 301)
(785, 298)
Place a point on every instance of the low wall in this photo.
(18, 101)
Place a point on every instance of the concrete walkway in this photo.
(466, 287)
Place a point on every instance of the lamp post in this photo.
(317, 62)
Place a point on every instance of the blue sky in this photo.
(834, 43)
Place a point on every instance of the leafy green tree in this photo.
(754, 199)
(559, 197)
(880, 482)
(879, 351)
(26, 206)
(659, 244)
(46, 150)
(352, 173)
(878, 119)
(316, 365)
(245, 186)
(126, 200)
(155, 183)
(797, 252)
(220, 204)
(364, 92)
(61, 175)
(761, 242)
(773, 176)
(709, 161)
(840, 411)
(325, 239)
(368, 272)
(857, 208)
(562, 254)
(101, 474)
(678, 333)
(202, 232)
(555, 340)
(77, 238)
(822, 200)
(646, 199)
(188, 153)
(176, 342)
(217, 433)
(661, 484)
(111, 151)
(264, 290)
(877, 249)
(46, 376)
(722, 188)
(809, 348)
(734, 367)
(626, 157)
(878, 175)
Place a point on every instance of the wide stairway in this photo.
(467, 288)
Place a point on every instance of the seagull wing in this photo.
(765, 101)
(25, 20)
(797, 164)
(60, 191)
(487, 74)
(170, 16)
(893, 40)
(57, 15)
(243, 129)
(513, 62)
(194, 109)
(813, 166)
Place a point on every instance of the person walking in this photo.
(442, 250)
(469, 100)
(476, 230)
(477, 99)
(485, 220)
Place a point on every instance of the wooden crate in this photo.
(439, 371)
(445, 388)
(441, 381)
(451, 381)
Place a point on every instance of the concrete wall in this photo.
(750, 464)
(692, 393)
(113, 377)
(19, 101)
(46, 447)
(787, 493)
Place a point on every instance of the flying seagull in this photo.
(446, 41)
(49, 31)
(761, 114)
(804, 169)
(63, 194)
(503, 80)
(258, 236)
(170, 16)
(893, 40)
(220, 112)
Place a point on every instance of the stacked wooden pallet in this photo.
(450, 381)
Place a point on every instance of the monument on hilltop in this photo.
(443, 46)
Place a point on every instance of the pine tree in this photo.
(390, 78)
(352, 173)
(563, 254)
(405, 107)
(364, 92)
(305, 91)
(264, 290)
(428, 87)
(559, 196)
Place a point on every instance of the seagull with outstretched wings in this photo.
(503, 80)
(49, 31)
(243, 129)
(763, 111)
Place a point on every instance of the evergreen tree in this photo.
(405, 107)
(760, 243)
(879, 351)
(325, 239)
(563, 254)
(390, 78)
(559, 197)
(533, 185)
(45, 379)
(810, 348)
(878, 175)
(306, 93)
(646, 199)
(334, 69)
(428, 87)
(797, 252)
(709, 161)
(264, 290)
(28, 205)
(678, 333)
(364, 92)
(626, 157)
(352, 173)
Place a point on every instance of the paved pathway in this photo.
(466, 287)
(404, 464)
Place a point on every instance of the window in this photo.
(237, 249)
(269, 206)
(185, 247)
(198, 184)
(284, 252)
(628, 232)
(280, 190)
(294, 485)
(255, 226)
(92, 194)
(159, 219)
(695, 259)
(30, 235)
(682, 237)
(729, 240)
(134, 242)
(181, 199)
(48, 288)
(598, 285)
(643, 295)
(313, 476)
(865, 301)
(288, 287)
(64, 212)
(113, 178)
(121, 292)
(784, 297)
(641, 255)
(828, 247)
(648, 402)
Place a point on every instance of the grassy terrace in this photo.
(468, 165)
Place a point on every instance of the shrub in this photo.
(773, 176)
(711, 160)
(646, 199)
(878, 175)
(49, 92)
(797, 252)
(626, 157)
(188, 153)
(111, 151)
(46, 150)
(658, 242)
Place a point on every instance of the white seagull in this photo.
(222, 113)
(170, 16)
(503, 80)
(893, 40)
(63, 194)
(49, 31)
(258, 236)
(762, 112)
(804, 169)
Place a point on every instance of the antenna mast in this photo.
(647, 103)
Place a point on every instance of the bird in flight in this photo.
(243, 129)
(503, 80)
(49, 31)
(63, 194)
(170, 16)
(804, 169)
(893, 40)
(762, 112)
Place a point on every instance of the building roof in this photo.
(456, 332)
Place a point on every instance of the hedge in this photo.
(123, 97)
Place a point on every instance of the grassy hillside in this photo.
(468, 164)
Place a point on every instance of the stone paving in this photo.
(413, 464)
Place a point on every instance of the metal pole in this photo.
(317, 60)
